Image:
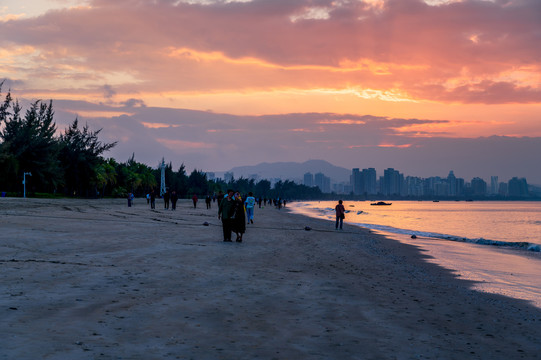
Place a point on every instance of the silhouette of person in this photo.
(220, 197)
(152, 199)
(174, 198)
(194, 199)
(166, 198)
(225, 212)
(239, 217)
(340, 214)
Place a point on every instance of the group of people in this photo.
(232, 210)
(235, 214)
(169, 197)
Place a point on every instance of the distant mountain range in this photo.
(292, 171)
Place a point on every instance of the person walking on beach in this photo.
(174, 198)
(220, 197)
(152, 199)
(340, 214)
(208, 201)
(239, 217)
(166, 200)
(250, 205)
(225, 212)
(194, 199)
(130, 199)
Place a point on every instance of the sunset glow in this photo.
(441, 68)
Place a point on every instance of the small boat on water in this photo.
(381, 203)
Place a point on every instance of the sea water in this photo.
(495, 244)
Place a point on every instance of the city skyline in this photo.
(420, 85)
(392, 182)
(258, 172)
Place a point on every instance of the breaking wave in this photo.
(480, 241)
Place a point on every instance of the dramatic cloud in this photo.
(218, 142)
(329, 79)
(470, 51)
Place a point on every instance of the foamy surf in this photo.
(521, 245)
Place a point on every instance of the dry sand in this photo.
(94, 279)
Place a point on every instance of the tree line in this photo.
(72, 163)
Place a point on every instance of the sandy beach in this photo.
(94, 279)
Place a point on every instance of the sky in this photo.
(424, 87)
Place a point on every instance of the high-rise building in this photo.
(502, 190)
(460, 186)
(518, 187)
(355, 180)
(363, 182)
(392, 182)
(414, 186)
(494, 185)
(369, 180)
(228, 177)
(322, 182)
(309, 179)
(478, 186)
(452, 184)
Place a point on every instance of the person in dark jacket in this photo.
(225, 212)
(174, 198)
(340, 214)
(166, 197)
(239, 217)
(152, 199)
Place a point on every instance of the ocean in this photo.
(495, 244)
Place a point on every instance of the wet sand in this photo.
(94, 279)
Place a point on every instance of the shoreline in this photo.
(512, 271)
(531, 244)
(94, 279)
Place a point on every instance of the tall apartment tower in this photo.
(322, 182)
(452, 184)
(355, 181)
(392, 182)
(364, 182)
(309, 179)
(494, 186)
(370, 182)
(318, 180)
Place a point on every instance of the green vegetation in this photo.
(72, 163)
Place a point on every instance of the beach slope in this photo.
(94, 279)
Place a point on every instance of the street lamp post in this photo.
(24, 182)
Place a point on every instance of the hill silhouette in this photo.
(292, 170)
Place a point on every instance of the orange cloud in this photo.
(182, 144)
(395, 146)
(406, 59)
(158, 125)
(342, 122)
(383, 145)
